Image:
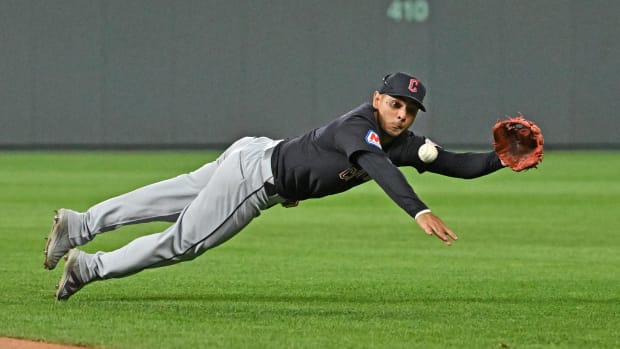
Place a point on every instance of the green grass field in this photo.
(537, 264)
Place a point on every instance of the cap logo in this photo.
(413, 85)
(372, 138)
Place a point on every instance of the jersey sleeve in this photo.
(391, 180)
(465, 165)
(404, 151)
(459, 165)
(355, 134)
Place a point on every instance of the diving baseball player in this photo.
(213, 203)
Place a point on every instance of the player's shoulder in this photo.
(409, 139)
(363, 114)
(364, 109)
(409, 136)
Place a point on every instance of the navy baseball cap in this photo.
(404, 85)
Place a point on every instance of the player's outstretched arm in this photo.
(392, 181)
(433, 225)
(465, 165)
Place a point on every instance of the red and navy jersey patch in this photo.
(372, 138)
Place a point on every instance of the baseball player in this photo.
(213, 203)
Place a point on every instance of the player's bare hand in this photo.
(433, 225)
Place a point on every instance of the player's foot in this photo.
(71, 280)
(58, 243)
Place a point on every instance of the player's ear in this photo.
(376, 98)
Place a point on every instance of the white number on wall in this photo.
(408, 10)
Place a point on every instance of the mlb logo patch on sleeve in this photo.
(372, 138)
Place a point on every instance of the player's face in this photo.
(395, 115)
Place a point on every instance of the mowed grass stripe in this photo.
(536, 266)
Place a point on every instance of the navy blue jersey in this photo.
(319, 163)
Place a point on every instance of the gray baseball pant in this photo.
(208, 206)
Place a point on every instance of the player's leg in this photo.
(233, 197)
(162, 201)
(156, 202)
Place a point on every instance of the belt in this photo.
(270, 190)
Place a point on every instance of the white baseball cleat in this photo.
(71, 280)
(58, 243)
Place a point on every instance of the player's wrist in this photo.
(421, 213)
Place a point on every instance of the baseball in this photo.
(427, 152)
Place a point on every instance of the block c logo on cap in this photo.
(413, 85)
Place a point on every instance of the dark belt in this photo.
(270, 189)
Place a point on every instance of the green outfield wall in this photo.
(154, 73)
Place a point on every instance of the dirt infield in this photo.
(14, 343)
